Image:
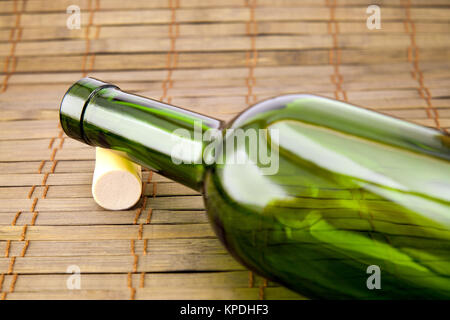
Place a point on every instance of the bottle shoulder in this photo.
(268, 110)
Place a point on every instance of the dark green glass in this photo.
(353, 190)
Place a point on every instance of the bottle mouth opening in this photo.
(74, 103)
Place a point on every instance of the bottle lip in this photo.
(74, 103)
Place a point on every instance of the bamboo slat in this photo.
(158, 61)
(7, 6)
(185, 76)
(100, 217)
(162, 293)
(217, 29)
(122, 264)
(83, 204)
(214, 57)
(121, 247)
(234, 14)
(206, 44)
(204, 280)
(268, 86)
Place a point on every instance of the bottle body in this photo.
(360, 202)
(350, 201)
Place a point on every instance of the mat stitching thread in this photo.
(130, 286)
(251, 279)
(147, 221)
(14, 37)
(167, 84)
(172, 54)
(139, 237)
(337, 79)
(33, 211)
(32, 189)
(249, 83)
(417, 74)
(251, 56)
(87, 54)
(43, 196)
(172, 61)
(149, 212)
(262, 294)
(334, 54)
(251, 60)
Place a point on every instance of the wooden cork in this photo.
(117, 182)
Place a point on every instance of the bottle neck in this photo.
(159, 136)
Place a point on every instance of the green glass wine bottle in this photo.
(325, 198)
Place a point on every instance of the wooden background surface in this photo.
(215, 57)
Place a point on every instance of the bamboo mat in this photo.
(214, 57)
